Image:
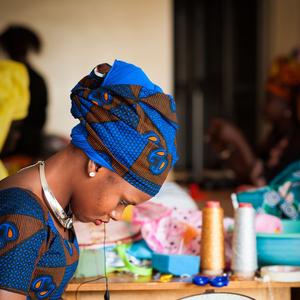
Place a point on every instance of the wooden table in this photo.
(127, 288)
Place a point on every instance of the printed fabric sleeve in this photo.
(22, 242)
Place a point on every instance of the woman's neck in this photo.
(61, 171)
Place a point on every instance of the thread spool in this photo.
(212, 239)
(244, 256)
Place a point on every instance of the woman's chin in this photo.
(83, 219)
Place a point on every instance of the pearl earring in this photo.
(92, 174)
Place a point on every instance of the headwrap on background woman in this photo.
(282, 145)
(14, 99)
(284, 80)
(127, 124)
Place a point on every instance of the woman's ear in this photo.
(92, 168)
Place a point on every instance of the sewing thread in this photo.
(212, 239)
(244, 255)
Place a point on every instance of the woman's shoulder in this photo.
(20, 201)
(23, 238)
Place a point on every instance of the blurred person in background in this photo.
(14, 99)
(281, 145)
(26, 137)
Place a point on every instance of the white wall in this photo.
(78, 34)
(284, 26)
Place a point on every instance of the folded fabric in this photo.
(167, 230)
(90, 236)
(265, 223)
(280, 198)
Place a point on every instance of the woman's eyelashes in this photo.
(124, 202)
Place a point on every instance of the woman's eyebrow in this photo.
(128, 202)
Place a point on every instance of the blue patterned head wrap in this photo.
(127, 124)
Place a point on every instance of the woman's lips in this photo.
(98, 222)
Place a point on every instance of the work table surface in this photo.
(126, 286)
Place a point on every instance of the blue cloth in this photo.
(124, 73)
(35, 260)
(127, 124)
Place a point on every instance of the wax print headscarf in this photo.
(127, 124)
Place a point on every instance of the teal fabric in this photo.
(281, 197)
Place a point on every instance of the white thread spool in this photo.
(244, 255)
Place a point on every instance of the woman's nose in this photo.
(116, 215)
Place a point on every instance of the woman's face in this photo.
(104, 197)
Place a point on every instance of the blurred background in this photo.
(213, 55)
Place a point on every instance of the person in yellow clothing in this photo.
(14, 99)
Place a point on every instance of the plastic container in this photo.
(282, 248)
(176, 264)
(90, 263)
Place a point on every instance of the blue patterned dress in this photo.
(35, 260)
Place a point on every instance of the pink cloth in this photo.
(265, 223)
(169, 230)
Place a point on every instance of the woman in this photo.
(14, 99)
(281, 145)
(18, 42)
(120, 154)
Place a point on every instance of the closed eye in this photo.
(124, 202)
